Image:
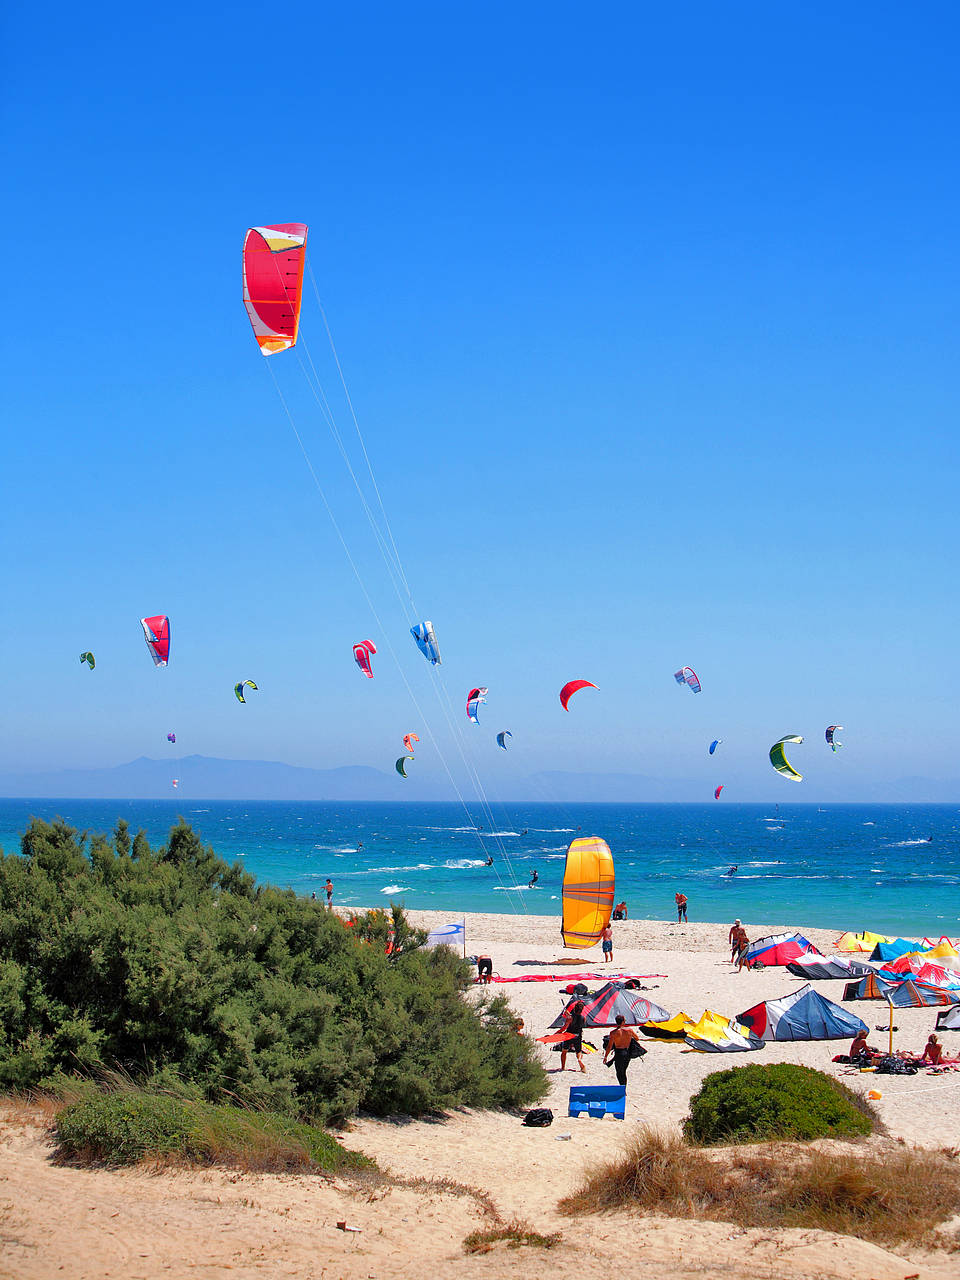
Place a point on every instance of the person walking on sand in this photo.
(681, 901)
(619, 1043)
(573, 1023)
(733, 937)
(606, 938)
(329, 888)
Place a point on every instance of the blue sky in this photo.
(650, 322)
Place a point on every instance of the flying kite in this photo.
(716, 794)
(176, 783)
(780, 761)
(588, 885)
(361, 655)
(156, 632)
(687, 676)
(239, 688)
(474, 698)
(408, 740)
(401, 765)
(504, 733)
(714, 744)
(834, 728)
(273, 259)
(572, 687)
(426, 639)
(171, 737)
(88, 658)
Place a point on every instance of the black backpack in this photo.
(538, 1118)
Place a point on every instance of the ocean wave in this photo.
(550, 829)
(512, 888)
(417, 866)
(904, 844)
(395, 888)
(501, 833)
(461, 864)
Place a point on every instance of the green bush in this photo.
(127, 1125)
(168, 963)
(779, 1100)
(120, 1128)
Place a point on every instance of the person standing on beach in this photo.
(573, 1023)
(329, 888)
(681, 901)
(733, 937)
(606, 937)
(619, 1044)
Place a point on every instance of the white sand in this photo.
(79, 1224)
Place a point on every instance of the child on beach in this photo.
(932, 1051)
(606, 937)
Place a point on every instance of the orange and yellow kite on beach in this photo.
(588, 885)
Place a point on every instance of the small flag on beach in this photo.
(453, 935)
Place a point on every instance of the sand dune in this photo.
(84, 1223)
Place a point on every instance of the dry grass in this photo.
(514, 1234)
(889, 1197)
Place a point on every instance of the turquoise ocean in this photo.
(890, 868)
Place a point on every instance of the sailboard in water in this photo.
(588, 889)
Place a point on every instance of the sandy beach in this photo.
(59, 1221)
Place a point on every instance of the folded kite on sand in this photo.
(580, 977)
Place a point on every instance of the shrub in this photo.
(777, 1100)
(130, 1124)
(170, 963)
(889, 1197)
(120, 1128)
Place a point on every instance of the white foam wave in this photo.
(417, 866)
(905, 844)
(511, 888)
(395, 888)
(461, 864)
(550, 829)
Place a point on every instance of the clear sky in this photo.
(650, 320)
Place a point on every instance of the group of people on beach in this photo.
(865, 1055)
(617, 1046)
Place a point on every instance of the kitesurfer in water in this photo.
(533, 879)
(524, 831)
(489, 862)
(733, 870)
(359, 845)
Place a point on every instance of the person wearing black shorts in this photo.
(484, 969)
(573, 1023)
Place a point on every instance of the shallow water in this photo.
(849, 867)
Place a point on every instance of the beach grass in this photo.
(126, 1124)
(514, 1234)
(889, 1197)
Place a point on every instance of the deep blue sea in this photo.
(846, 866)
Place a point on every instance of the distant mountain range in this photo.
(209, 778)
